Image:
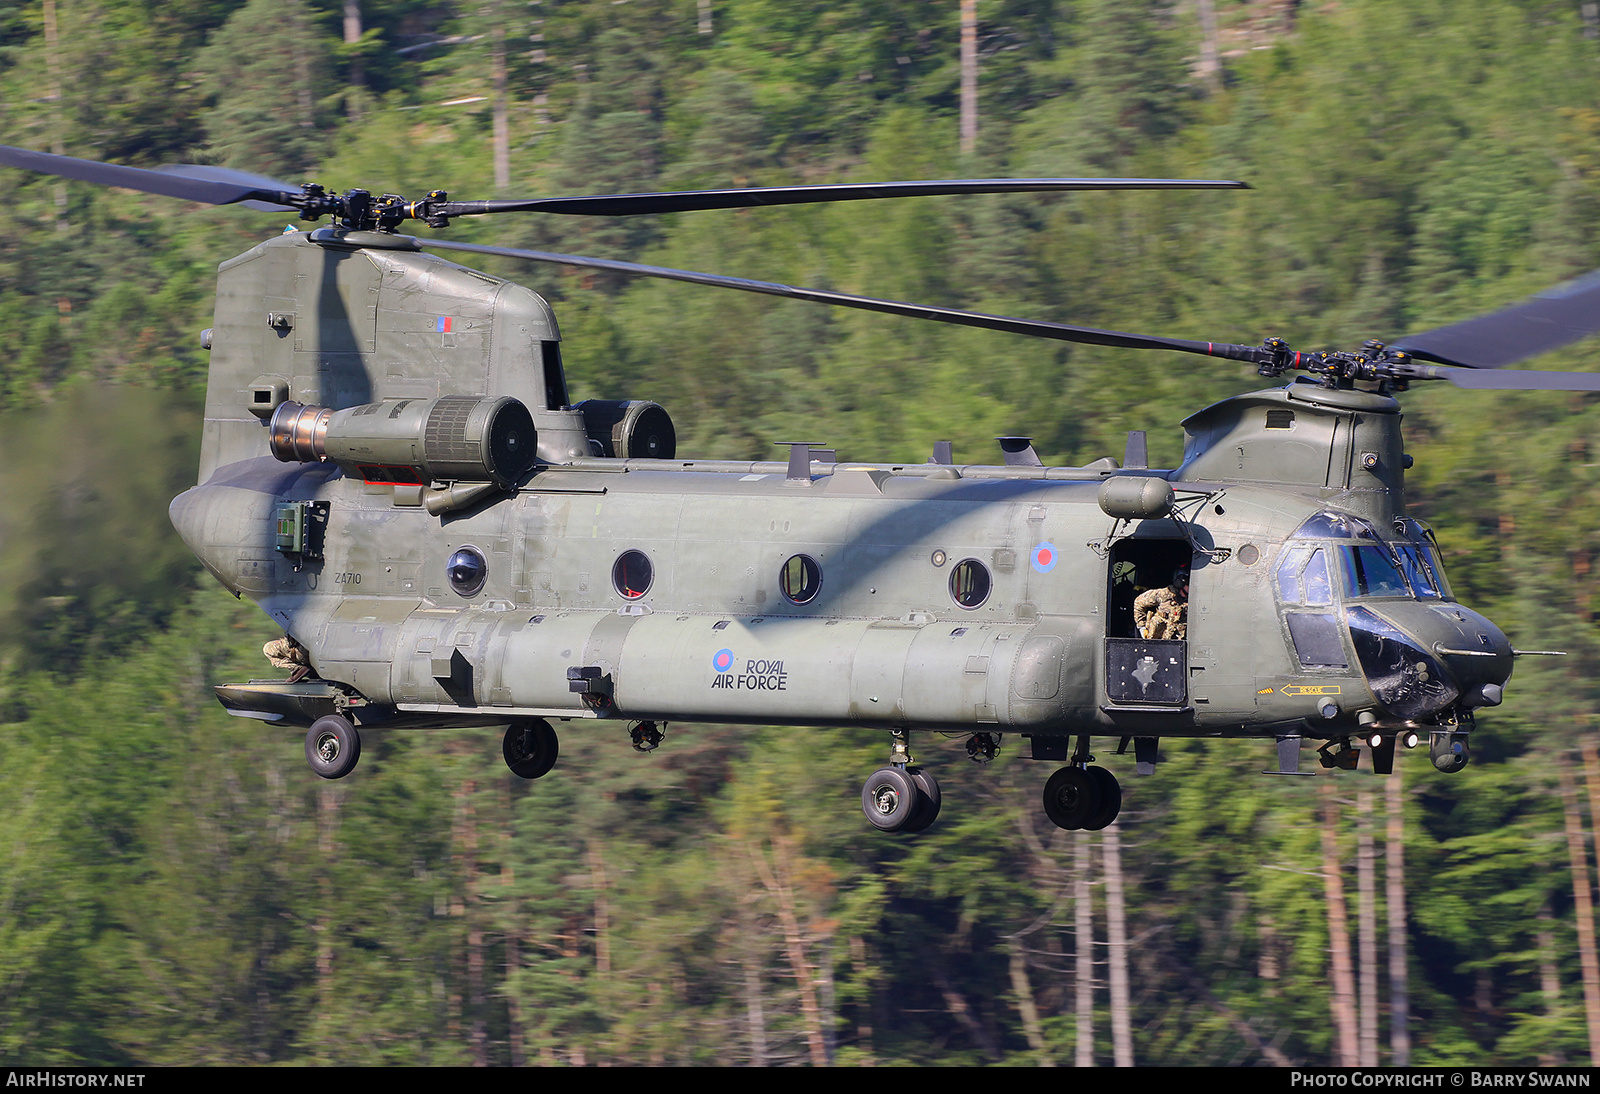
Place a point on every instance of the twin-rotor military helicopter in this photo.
(393, 470)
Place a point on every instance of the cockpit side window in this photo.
(1314, 579)
(1303, 576)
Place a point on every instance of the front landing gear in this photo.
(1082, 798)
(900, 798)
(333, 746)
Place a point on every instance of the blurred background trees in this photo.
(176, 888)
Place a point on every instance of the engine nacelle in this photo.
(456, 438)
(629, 428)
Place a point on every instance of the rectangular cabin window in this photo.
(555, 381)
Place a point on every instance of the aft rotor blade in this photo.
(756, 197)
(1473, 379)
(212, 173)
(1554, 318)
(1037, 328)
(165, 183)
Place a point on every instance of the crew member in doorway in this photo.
(1164, 613)
(286, 653)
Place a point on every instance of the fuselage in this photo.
(707, 626)
(968, 598)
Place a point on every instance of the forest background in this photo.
(177, 888)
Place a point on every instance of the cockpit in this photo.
(1405, 564)
(1339, 579)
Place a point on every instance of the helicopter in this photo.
(393, 471)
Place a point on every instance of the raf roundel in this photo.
(1044, 557)
(723, 661)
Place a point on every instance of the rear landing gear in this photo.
(530, 747)
(1082, 798)
(333, 746)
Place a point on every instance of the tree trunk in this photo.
(467, 822)
(1117, 948)
(1210, 60)
(1583, 904)
(52, 62)
(1395, 901)
(1549, 978)
(1344, 988)
(1085, 957)
(776, 877)
(1366, 928)
(602, 911)
(1026, 1006)
(327, 828)
(352, 35)
(755, 1018)
(969, 77)
(502, 124)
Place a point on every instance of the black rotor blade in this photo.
(1063, 332)
(167, 184)
(212, 173)
(693, 200)
(1552, 319)
(1473, 379)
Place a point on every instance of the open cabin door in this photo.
(1146, 667)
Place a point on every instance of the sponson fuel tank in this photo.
(659, 666)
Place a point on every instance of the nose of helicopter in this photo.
(1421, 658)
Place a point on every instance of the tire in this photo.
(890, 800)
(1110, 792)
(333, 746)
(530, 747)
(928, 800)
(1071, 799)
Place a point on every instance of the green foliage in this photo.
(173, 888)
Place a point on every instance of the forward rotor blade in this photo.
(1552, 319)
(693, 200)
(165, 183)
(1062, 332)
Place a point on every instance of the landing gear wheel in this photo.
(1071, 799)
(928, 800)
(1110, 793)
(530, 747)
(333, 746)
(890, 799)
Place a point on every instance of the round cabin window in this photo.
(467, 571)
(632, 574)
(800, 579)
(969, 583)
